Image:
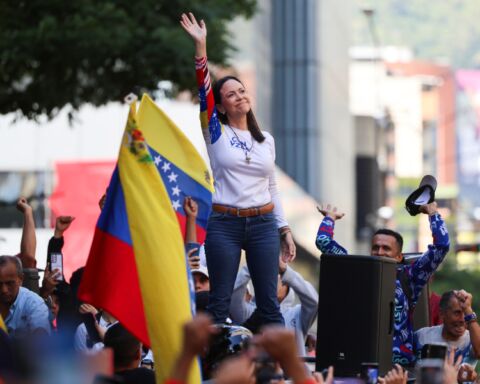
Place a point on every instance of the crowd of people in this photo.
(262, 312)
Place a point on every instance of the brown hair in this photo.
(251, 121)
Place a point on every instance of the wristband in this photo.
(471, 317)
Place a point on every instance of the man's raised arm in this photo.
(423, 268)
(324, 240)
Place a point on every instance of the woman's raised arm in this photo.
(198, 33)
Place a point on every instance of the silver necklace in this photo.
(244, 147)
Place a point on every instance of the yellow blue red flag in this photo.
(137, 269)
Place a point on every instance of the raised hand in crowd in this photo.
(236, 370)
(23, 206)
(193, 261)
(87, 308)
(190, 206)
(466, 373)
(319, 377)
(62, 224)
(101, 202)
(465, 300)
(395, 376)
(330, 211)
(429, 209)
(90, 309)
(197, 31)
(451, 367)
(280, 344)
(196, 335)
(49, 282)
(28, 244)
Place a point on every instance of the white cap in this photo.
(202, 269)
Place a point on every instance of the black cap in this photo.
(424, 194)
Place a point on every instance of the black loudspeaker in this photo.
(355, 313)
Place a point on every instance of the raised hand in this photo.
(281, 345)
(465, 300)
(319, 377)
(190, 206)
(451, 367)
(236, 370)
(61, 224)
(87, 308)
(197, 31)
(395, 376)
(466, 373)
(196, 334)
(23, 206)
(330, 211)
(101, 202)
(429, 209)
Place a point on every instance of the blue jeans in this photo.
(258, 235)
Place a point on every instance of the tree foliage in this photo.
(436, 30)
(450, 278)
(55, 53)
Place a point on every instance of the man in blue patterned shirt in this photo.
(411, 278)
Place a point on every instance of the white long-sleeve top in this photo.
(243, 184)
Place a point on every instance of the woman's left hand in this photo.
(289, 251)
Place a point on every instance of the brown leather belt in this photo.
(243, 212)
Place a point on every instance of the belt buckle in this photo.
(238, 212)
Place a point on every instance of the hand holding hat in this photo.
(420, 200)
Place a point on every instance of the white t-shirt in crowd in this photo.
(463, 346)
(240, 183)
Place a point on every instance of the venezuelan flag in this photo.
(136, 269)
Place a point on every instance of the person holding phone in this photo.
(247, 213)
(55, 290)
(460, 331)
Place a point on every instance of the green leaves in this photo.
(55, 53)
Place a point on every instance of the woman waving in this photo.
(247, 213)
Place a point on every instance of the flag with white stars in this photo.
(138, 250)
